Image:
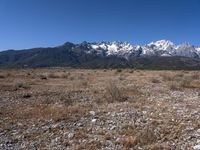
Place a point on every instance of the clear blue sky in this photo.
(37, 23)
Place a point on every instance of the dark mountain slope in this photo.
(84, 56)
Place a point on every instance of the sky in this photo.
(46, 23)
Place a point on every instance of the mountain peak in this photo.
(162, 42)
(162, 45)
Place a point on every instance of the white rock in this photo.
(113, 127)
(196, 147)
(70, 135)
(94, 120)
(198, 141)
(92, 113)
(198, 131)
(144, 112)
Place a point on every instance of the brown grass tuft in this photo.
(174, 86)
(21, 85)
(114, 94)
(155, 81)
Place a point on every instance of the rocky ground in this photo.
(60, 108)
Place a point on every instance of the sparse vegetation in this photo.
(113, 93)
(174, 86)
(167, 77)
(155, 81)
(118, 70)
(21, 85)
(43, 77)
(53, 75)
(2, 76)
(111, 111)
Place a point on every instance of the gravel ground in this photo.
(60, 108)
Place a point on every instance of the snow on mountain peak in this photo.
(157, 48)
(162, 44)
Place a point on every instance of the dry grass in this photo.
(114, 94)
(43, 77)
(21, 85)
(135, 107)
(174, 86)
(190, 81)
(128, 142)
(144, 137)
(2, 76)
(167, 77)
(53, 75)
(155, 81)
(118, 70)
(47, 112)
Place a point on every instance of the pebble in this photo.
(198, 131)
(94, 120)
(70, 135)
(196, 147)
(92, 113)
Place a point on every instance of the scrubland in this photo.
(61, 108)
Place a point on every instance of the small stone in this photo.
(196, 147)
(92, 113)
(198, 141)
(94, 120)
(113, 127)
(70, 135)
(118, 140)
(144, 112)
(198, 131)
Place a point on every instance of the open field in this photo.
(61, 108)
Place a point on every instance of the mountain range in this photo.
(162, 54)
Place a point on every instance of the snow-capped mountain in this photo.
(126, 50)
(161, 54)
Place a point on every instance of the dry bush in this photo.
(118, 71)
(186, 82)
(128, 143)
(2, 76)
(146, 136)
(121, 78)
(128, 130)
(195, 76)
(85, 83)
(174, 86)
(179, 75)
(113, 94)
(131, 71)
(133, 93)
(53, 75)
(167, 77)
(65, 75)
(155, 81)
(71, 78)
(5, 75)
(189, 82)
(43, 77)
(21, 85)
